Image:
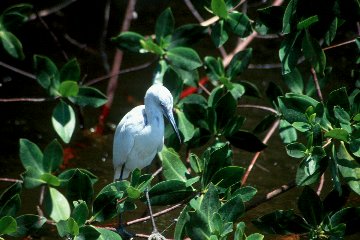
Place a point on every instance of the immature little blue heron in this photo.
(140, 134)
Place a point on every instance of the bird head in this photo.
(162, 96)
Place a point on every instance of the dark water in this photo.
(83, 21)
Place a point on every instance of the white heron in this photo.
(140, 134)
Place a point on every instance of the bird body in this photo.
(140, 133)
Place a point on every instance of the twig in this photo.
(127, 70)
(338, 45)
(193, 10)
(204, 89)
(103, 53)
(19, 71)
(316, 81)
(258, 107)
(271, 195)
(321, 184)
(256, 156)
(10, 180)
(54, 9)
(25, 99)
(155, 214)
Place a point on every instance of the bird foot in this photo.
(125, 234)
(155, 235)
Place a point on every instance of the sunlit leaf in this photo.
(53, 156)
(184, 58)
(11, 44)
(68, 88)
(173, 168)
(129, 41)
(164, 25)
(56, 205)
(219, 8)
(239, 24)
(31, 155)
(89, 96)
(7, 225)
(47, 74)
(28, 224)
(70, 71)
(63, 120)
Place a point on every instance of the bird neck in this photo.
(154, 116)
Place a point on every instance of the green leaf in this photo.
(331, 33)
(184, 125)
(240, 231)
(311, 206)
(232, 209)
(196, 163)
(53, 156)
(338, 133)
(67, 228)
(210, 203)
(32, 178)
(89, 96)
(11, 206)
(80, 212)
(246, 141)
(67, 175)
(289, 52)
(63, 120)
(11, 44)
(250, 89)
(281, 222)
(80, 187)
(314, 54)
(106, 234)
(219, 36)
(214, 69)
(169, 192)
(31, 155)
(173, 82)
(239, 63)
(184, 58)
(7, 225)
(265, 124)
(307, 22)
(312, 167)
(338, 97)
(70, 71)
(105, 204)
(287, 132)
(68, 88)
(294, 81)
(9, 193)
(28, 224)
(225, 109)
(255, 236)
(56, 205)
(198, 226)
(228, 176)
(301, 126)
(148, 45)
(50, 179)
(289, 16)
(239, 24)
(219, 8)
(173, 168)
(246, 193)
(129, 41)
(88, 232)
(296, 150)
(181, 222)
(349, 168)
(164, 25)
(15, 15)
(47, 74)
(187, 34)
(350, 216)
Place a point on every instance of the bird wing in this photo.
(130, 126)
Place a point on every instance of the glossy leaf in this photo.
(296, 150)
(164, 25)
(350, 216)
(196, 163)
(31, 155)
(68, 88)
(7, 225)
(338, 133)
(312, 167)
(246, 193)
(187, 34)
(70, 71)
(294, 81)
(169, 192)
(67, 175)
(314, 54)
(306, 23)
(311, 206)
(173, 83)
(53, 156)
(50, 179)
(15, 15)
(225, 109)
(289, 52)
(232, 209)
(228, 176)
(246, 141)
(105, 204)
(265, 124)
(80, 212)
(214, 69)
(181, 222)
(88, 96)
(67, 228)
(11, 206)
(106, 234)
(80, 187)
(173, 168)
(32, 178)
(9, 193)
(210, 203)
(28, 224)
(219, 36)
(63, 120)
(129, 41)
(289, 17)
(239, 24)
(148, 45)
(255, 236)
(184, 125)
(56, 205)
(287, 132)
(349, 168)
(239, 63)
(88, 232)
(184, 58)
(47, 74)
(219, 8)
(11, 44)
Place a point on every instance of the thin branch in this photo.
(103, 53)
(271, 195)
(10, 180)
(127, 70)
(316, 81)
(258, 107)
(339, 44)
(256, 156)
(19, 71)
(204, 89)
(54, 9)
(193, 10)
(25, 99)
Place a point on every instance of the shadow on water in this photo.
(32, 120)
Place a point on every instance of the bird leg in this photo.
(155, 233)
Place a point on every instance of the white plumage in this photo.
(140, 133)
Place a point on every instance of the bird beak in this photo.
(170, 116)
